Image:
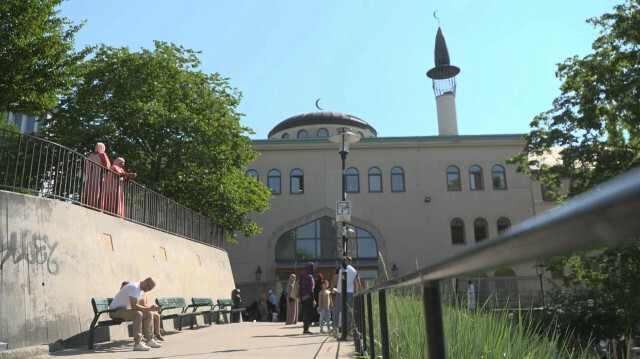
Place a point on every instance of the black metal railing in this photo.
(38, 167)
(605, 215)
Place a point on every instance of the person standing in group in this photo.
(95, 167)
(128, 304)
(292, 300)
(336, 288)
(307, 284)
(353, 285)
(472, 296)
(115, 187)
(316, 291)
(325, 304)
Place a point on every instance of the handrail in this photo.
(606, 214)
(47, 169)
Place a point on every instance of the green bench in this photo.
(101, 306)
(223, 304)
(180, 305)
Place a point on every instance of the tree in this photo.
(594, 126)
(37, 59)
(176, 127)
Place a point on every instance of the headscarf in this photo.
(306, 281)
(99, 148)
(290, 283)
(118, 162)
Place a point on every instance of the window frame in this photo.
(476, 174)
(459, 225)
(379, 175)
(285, 136)
(485, 224)
(347, 175)
(271, 176)
(247, 174)
(322, 129)
(498, 224)
(501, 171)
(457, 173)
(392, 175)
(300, 177)
(306, 133)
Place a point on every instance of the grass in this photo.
(468, 334)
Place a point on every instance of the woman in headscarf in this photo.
(292, 303)
(115, 187)
(95, 166)
(307, 284)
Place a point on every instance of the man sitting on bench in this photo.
(130, 305)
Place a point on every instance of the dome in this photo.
(321, 119)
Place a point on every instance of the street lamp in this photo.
(258, 273)
(540, 271)
(343, 138)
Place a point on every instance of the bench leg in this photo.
(92, 331)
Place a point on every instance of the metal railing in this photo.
(38, 167)
(605, 215)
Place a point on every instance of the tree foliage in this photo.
(176, 126)
(594, 128)
(37, 59)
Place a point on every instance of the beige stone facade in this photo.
(411, 226)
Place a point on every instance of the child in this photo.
(325, 304)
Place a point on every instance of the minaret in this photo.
(444, 87)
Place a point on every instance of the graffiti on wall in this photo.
(32, 248)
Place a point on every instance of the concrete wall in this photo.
(56, 256)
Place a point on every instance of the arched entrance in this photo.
(318, 241)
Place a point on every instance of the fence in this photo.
(38, 167)
(605, 215)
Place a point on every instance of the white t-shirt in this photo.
(352, 273)
(121, 300)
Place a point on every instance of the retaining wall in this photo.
(56, 256)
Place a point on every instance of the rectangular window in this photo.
(352, 184)
(397, 183)
(274, 184)
(457, 235)
(546, 193)
(296, 185)
(453, 182)
(375, 183)
(476, 181)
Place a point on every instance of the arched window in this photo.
(480, 229)
(353, 180)
(475, 178)
(317, 239)
(296, 181)
(252, 173)
(303, 134)
(375, 179)
(273, 181)
(285, 136)
(499, 177)
(360, 134)
(503, 223)
(457, 231)
(397, 179)
(453, 179)
(322, 132)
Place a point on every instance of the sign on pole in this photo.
(343, 211)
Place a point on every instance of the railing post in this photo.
(363, 323)
(433, 320)
(372, 348)
(384, 328)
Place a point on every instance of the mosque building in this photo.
(415, 200)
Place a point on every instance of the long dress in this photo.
(292, 306)
(95, 167)
(114, 193)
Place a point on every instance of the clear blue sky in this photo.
(367, 58)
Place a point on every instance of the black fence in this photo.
(38, 167)
(605, 215)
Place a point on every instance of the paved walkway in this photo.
(235, 341)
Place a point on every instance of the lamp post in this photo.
(540, 271)
(343, 138)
